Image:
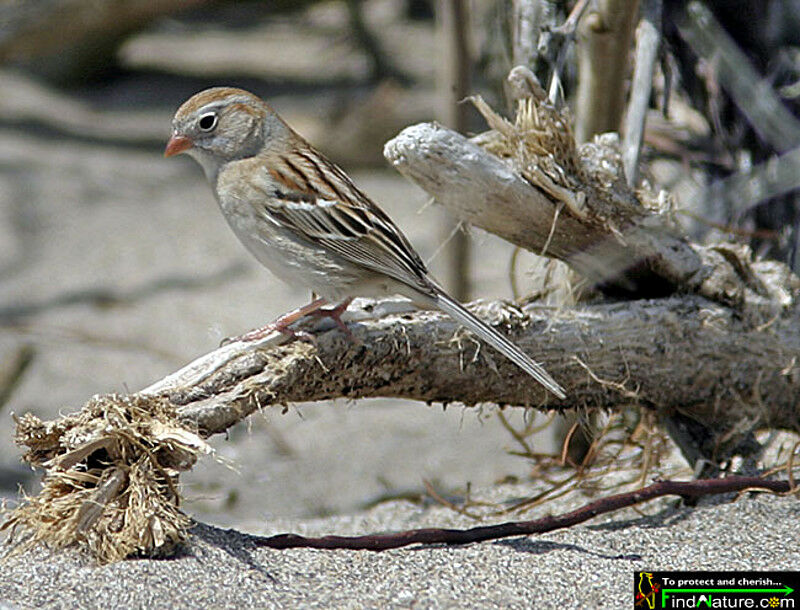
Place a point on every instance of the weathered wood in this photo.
(605, 33)
(530, 23)
(483, 190)
(648, 40)
(603, 231)
(682, 354)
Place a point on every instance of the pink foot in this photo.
(335, 314)
(282, 324)
(263, 331)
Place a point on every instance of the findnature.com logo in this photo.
(652, 590)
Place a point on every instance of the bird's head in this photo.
(220, 125)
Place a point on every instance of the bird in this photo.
(305, 220)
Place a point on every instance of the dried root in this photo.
(110, 483)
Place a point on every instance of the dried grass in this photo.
(110, 482)
(541, 145)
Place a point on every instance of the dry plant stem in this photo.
(740, 191)
(380, 542)
(454, 86)
(431, 491)
(648, 39)
(752, 93)
(604, 40)
(649, 352)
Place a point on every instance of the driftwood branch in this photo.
(724, 333)
(117, 460)
(604, 231)
(720, 348)
(682, 354)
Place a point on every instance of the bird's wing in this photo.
(317, 201)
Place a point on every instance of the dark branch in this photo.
(382, 542)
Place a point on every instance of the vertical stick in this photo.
(525, 32)
(529, 20)
(605, 33)
(454, 87)
(648, 38)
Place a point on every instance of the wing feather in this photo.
(318, 202)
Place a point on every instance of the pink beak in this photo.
(177, 144)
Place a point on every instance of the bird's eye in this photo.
(208, 121)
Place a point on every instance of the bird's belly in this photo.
(298, 262)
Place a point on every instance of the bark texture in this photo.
(682, 354)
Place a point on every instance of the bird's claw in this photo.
(263, 331)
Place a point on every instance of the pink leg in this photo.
(282, 324)
(335, 314)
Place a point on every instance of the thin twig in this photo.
(431, 491)
(382, 542)
(512, 274)
(565, 444)
(620, 387)
(563, 487)
(558, 209)
(517, 436)
(648, 39)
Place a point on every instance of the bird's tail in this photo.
(501, 343)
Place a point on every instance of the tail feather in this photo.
(498, 341)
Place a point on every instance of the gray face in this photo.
(221, 132)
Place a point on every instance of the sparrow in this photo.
(302, 217)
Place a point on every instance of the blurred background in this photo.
(116, 267)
